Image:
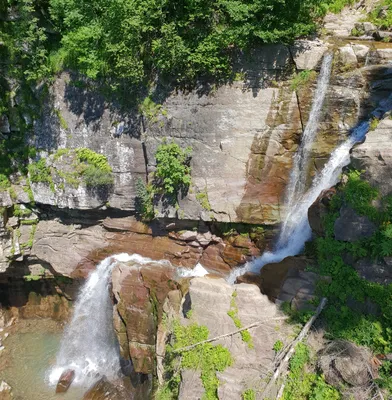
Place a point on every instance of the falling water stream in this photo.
(295, 229)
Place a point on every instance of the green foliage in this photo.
(359, 194)
(385, 379)
(336, 6)
(346, 285)
(249, 394)
(233, 314)
(382, 20)
(40, 172)
(94, 168)
(144, 200)
(21, 212)
(173, 171)
(150, 109)
(302, 385)
(303, 79)
(374, 124)
(278, 346)
(207, 358)
(202, 198)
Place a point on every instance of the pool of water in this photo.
(30, 352)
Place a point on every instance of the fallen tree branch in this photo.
(378, 390)
(254, 325)
(283, 364)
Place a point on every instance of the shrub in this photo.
(302, 79)
(173, 171)
(94, 168)
(144, 200)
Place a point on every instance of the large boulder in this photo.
(307, 54)
(344, 363)
(350, 226)
(140, 290)
(105, 390)
(378, 271)
(218, 297)
(374, 157)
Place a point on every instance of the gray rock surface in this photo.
(374, 157)
(64, 246)
(307, 54)
(350, 226)
(374, 271)
(82, 118)
(251, 365)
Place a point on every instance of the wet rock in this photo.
(299, 289)
(65, 381)
(105, 390)
(127, 224)
(140, 295)
(350, 226)
(272, 276)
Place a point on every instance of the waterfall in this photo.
(297, 183)
(89, 344)
(297, 225)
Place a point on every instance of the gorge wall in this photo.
(243, 137)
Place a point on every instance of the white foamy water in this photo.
(199, 270)
(299, 173)
(297, 229)
(89, 345)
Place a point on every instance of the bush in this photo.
(144, 200)
(173, 172)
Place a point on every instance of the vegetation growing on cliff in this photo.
(206, 358)
(358, 309)
(304, 385)
(171, 178)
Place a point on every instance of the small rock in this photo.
(347, 55)
(188, 236)
(381, 35)
(5, 391)
(65, 381)
(369, 28)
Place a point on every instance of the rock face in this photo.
(344, 363)
(105, 390)
(350, 226)
(250, 365)
(140, 292)
(82, 118)
(374, 157)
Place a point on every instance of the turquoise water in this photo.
(28, 356)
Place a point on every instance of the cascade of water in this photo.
(299, 230)
(89, 345)
(297, 183)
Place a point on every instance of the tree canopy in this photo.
(137, 40)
